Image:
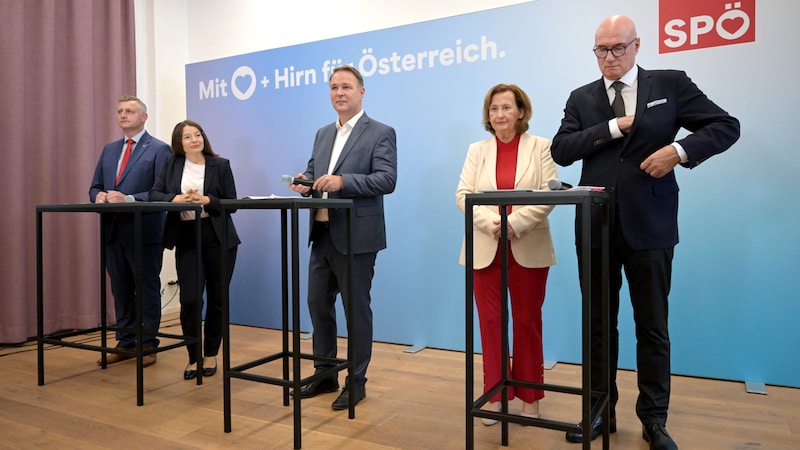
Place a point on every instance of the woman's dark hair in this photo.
(177, 138)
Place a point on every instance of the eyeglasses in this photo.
(617, 50)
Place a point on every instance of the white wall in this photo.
(161, 54)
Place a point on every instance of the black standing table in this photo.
(590, 410)
(107, 211)
(289, 206)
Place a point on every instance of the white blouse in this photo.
(194, 175)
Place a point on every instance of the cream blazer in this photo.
(535, 166)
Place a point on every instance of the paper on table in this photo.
(588, 188)
(267, 197)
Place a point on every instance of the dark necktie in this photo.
(125, 157)
(618, 105)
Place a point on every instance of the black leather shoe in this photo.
(322, 386)
(577, 438)
(189, 373)
(658, 437)
(343, 401)
(208, 369)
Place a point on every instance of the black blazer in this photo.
(667, 100)
(218, 185)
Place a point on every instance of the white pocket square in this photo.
(660, 101)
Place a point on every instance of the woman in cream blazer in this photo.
(510, 159)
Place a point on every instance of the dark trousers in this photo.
(121, 266)
(327, 277)
(211, 280)
(649, 274)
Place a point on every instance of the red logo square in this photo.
(691, 24)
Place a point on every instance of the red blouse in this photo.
(506, 169)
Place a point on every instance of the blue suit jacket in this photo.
(140, 173)
(368, 166)
(667, 100)
(218, 184)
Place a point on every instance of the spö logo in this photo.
(693, 24)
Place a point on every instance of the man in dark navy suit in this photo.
(355, 157)
(623, 127)
(125, 172)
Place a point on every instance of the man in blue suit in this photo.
(623, 127)
(353, 158)
(125, 172)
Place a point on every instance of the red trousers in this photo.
(527, 289)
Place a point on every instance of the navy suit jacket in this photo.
(140, 173)
(368, 166)
(667, 100)
(218, 184)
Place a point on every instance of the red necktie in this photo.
(125, 159)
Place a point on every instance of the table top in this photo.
(297, 202)
(530, 197)
(118, 207)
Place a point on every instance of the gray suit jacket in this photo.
(368, 166)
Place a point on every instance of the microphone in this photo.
(288, 179)
(557, 185)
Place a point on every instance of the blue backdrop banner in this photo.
(733, 300)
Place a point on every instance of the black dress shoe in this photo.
(209, 370)
(189, 373)
(658, 437)
(322, 386)
(343, 401)
(577, 438)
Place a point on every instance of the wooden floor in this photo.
(414, 401)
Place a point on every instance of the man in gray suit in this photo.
(353, 158)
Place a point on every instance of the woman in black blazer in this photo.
(195, 174)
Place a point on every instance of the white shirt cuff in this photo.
(681, 152)
(613, 127)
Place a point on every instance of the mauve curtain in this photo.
(63, 65)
